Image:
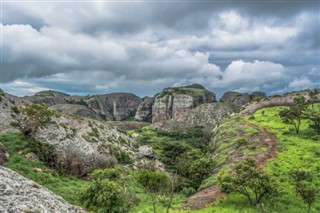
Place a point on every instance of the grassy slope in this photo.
(295, 151)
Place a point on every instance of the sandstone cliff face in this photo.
(115, 106)
(144, 111)
(82, 145)
(206, 115)
(18, 194)
(172, 102)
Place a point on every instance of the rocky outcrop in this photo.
(240, 99)
(115, 106)
(81, 145)
(49, 97)
(235, 98)
(174, 101)
(144, 111)
(76, 109)
(277, 100)
(8, 105)
(206, 115)
(18, 194)
(4, 154)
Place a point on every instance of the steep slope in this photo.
(144, 111)
(18, 194)
(206, 115)
(174, 101)
(115, 106)
(232, 141)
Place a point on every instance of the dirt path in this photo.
(209, 195)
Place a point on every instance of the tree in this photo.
(109, 190)
(313, 114)
(314, 117)
(294, 114)
(155, 183)
(313, 94)
(248, 181)
(32, 116)
(103, 196)
(303, 182)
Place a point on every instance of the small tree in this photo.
(155, 183)
(303, 182)
(29, 118)
(103, 196)
(114, 181)
(294, 114)
(248, 181)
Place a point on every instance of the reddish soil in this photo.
(209, 195)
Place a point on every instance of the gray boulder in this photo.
(19, 195)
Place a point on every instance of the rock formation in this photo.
(115, 106)
(18, 194)
(278, 100)
(144, 111)
(174, 101)
(81, 145)
(206, 115)
(76, 109)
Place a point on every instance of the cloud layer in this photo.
(141, 47)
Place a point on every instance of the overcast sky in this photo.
(141, 47)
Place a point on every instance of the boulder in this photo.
(82, 145)
(18, 194)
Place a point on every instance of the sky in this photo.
(96, 47)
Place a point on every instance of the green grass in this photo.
(61, 184)
(295, 151)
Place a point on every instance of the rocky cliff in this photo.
(18, 194)
(115, 106)
(144, 111)
(174, 101)
(206, 115)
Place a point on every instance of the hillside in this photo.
(72, 155)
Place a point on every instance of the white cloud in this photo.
(301, 83)
(240, 74)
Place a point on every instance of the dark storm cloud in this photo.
(123, 46)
